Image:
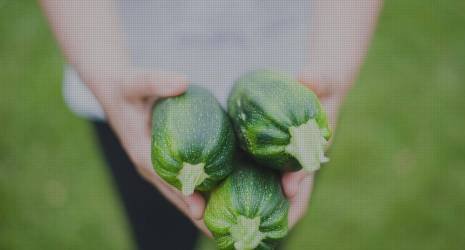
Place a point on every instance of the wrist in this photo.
(107, 74)
(325, 87)
(106, 81)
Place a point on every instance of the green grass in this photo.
(54, 191)
(395, 181)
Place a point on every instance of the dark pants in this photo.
(156, 223)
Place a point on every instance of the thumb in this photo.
(156, 84)
(309, 80)
(291, 182)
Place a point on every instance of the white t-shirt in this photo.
(211, 41)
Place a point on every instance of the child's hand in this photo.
(127, 99)
(298, 185)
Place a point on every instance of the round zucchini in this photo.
(279, 121)
(248, 210)
(192, 141)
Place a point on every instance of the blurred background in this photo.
(396, 179)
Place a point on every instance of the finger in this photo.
(130, 123)
(299, 203)
(196, 204)
(291, 182)
(190, 206)
(159, 84)
(309, 80)
(168, 84)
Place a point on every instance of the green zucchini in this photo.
(279, 121)
(248, 210)
(192, 141)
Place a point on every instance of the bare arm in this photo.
(90, 36)
(340, 35)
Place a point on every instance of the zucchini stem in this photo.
(246, 233)
(191, 176)
(307, 145)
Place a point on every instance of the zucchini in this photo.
(248, 210)
(279, 121)
(192, 141)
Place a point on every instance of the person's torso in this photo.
(215, 41)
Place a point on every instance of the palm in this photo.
(298, 185)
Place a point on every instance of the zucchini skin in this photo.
(192, 128)
(263, 106)
(249, 192)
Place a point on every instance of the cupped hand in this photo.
(127, 97)
(298, 185)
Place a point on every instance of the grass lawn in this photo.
(397, 170)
